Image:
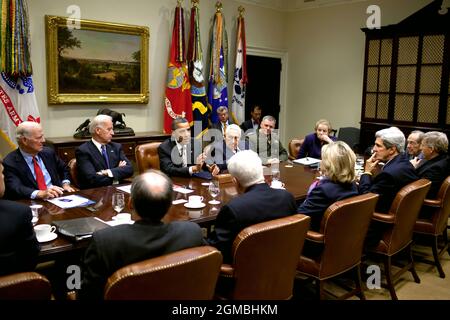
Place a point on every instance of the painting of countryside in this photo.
(98, 62)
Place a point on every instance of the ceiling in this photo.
(295, 5)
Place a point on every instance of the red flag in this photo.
(178, 96)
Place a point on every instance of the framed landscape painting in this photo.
(94, 62)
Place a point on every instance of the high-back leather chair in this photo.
(147, 156)
(435, 223)
(399, 224)
(265, 257)
(342, 232)
(73, 172)
(25, 286)
(189, 274)
(294, 147)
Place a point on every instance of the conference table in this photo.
(296, 178)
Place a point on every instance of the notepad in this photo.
(307, 161)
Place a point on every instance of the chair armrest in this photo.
(315, 236)
(226, 270)
(71, 295)
(382, 217)
(224, 178)
(432, 203)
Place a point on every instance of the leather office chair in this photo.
(294, 147)
(147, 156)
(350, 135)
(189, 274)
(342, 232)
(25, 286)
(73, 172)
(265, 257)
(436, 224)
(399, 224)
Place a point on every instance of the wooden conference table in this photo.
(297, 179)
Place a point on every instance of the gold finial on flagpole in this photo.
(179, 3)
(195, 3)
(241, 10)
(218, 6)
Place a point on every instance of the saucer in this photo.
(51, 236)
(194, 206)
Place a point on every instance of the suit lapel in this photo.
(97, 155)
(23, 166)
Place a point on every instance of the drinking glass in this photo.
(118, 202)
(275, 170)
(214, 191)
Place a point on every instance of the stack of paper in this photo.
(307, 161)
(71, 201)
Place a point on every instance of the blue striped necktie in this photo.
(105, 156)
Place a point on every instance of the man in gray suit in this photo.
(113, 248)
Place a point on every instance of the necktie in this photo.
(105, 156)
(224, 128)
(39, 175)
(184, 156)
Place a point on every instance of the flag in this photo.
(217, 88)
(17, 97)
(200, 109)
(178, 97)
(240, 74)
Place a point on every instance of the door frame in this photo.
(283, 56)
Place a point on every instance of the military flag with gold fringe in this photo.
(217, 88)
(178, 96)
(17, 97)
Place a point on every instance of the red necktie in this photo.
(39, 175)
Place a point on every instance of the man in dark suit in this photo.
(252, 125)
(19, 247)
(435, 164)
(101, 162)
(32, 170)
(396, 173)
(222, 151)
(224, 120)
(112, 248)
(180, 155)
(257, 204)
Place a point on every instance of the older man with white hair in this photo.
(220, 152)
(257, 203)
(101, 162)
(396, 173)
(33, 171)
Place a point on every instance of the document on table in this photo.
(71, 201)
(181, 189)
(126, 188)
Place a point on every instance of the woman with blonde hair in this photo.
(314, 142)
(337, 182)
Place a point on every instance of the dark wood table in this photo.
(297, 179)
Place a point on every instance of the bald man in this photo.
(33, 171)
(112, 248)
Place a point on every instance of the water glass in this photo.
(118, 202)
(214, 191)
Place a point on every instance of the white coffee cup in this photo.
(195, 200)
(277, 184)
(195, 213)
(123, 216)
(44, 230)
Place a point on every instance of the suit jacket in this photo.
(19, 247)
(312, 147)
(259, 143)
(395, 174)
(247, 126)
(259, 203)
(322, 196)
(221, 153)
(113, 248)
(170, 161)
(435, 170)
(19, 180)
(90, 161)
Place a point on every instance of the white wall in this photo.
(326, 61)
(264, 28)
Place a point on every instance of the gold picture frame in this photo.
(96, 62)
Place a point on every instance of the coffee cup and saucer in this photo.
(277, 184)
(195, 202)
(45, 232)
